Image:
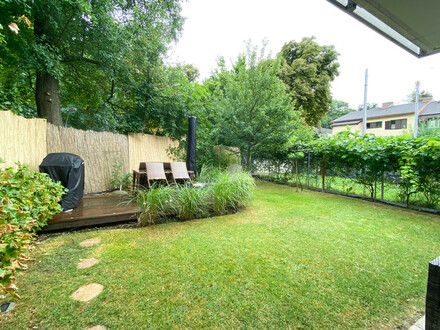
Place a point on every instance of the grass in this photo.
(298, 260)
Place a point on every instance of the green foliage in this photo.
(155, 203)
(422, 95)
(368, 158)
(191, 203)
(101, 52)
(307, 69)
(369, 106)
(254, 112)
(120, 180)
(27, 200)
(337, 109)
(225, 194)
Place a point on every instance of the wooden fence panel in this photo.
(149, 148)
(100, 151)
(22, 140)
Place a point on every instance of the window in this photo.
(395, 124)
(374, 124)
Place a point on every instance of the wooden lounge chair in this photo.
(140, 176)
(180, 172)
(155, 172)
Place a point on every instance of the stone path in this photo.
(89, 291)
(90, 242)
(97, 327)
(86, 263)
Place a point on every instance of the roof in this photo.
(353, 118)
(413, 25)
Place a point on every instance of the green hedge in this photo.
(370, 158)
(27, 200)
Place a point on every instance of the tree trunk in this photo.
(248, 160)
(47, 98)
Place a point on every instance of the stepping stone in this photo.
(87, 292)
(97, 327)
(419, 325)
(86, 263)
(90, 242)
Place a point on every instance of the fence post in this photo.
(308, 169)
(381, 192)
(316, 173)
(323, 172)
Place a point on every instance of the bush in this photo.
(27, 200)
(226, 193)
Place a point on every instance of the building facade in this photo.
(389, 120)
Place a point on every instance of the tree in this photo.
(255, 113)
(337, 109)
(369, 106)
(307, 70)
(85, 49)
(422, 95)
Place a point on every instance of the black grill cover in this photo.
(68, 169)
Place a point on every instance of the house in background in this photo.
(390, 120)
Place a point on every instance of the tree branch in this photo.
(64, 29)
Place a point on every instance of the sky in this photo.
(215, 28)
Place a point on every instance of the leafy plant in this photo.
(119, 179)
(27, 200)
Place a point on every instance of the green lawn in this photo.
(298, 260)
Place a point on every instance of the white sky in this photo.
(216, 28)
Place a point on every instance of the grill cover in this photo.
(68, 169)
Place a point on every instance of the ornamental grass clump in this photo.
(225, 194)
(191, 203)
(231, 192)
(155, 203)
(27, 200)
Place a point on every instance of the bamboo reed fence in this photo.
(99, 150)
(22, 140)
(149, 148)
(30, 140)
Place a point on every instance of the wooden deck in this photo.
(95, 210)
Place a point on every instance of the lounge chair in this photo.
(140, 177)
(155, 172)
(180, 172)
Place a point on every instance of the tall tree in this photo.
(255, 113)
(89, 47)
(307, 70)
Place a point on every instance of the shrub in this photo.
(27, 200)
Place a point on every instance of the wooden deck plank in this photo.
(95, 210)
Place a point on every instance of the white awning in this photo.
(413, 25)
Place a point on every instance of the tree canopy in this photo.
(88, 53)
(307, 69)
(337, 109)
(254, 112)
